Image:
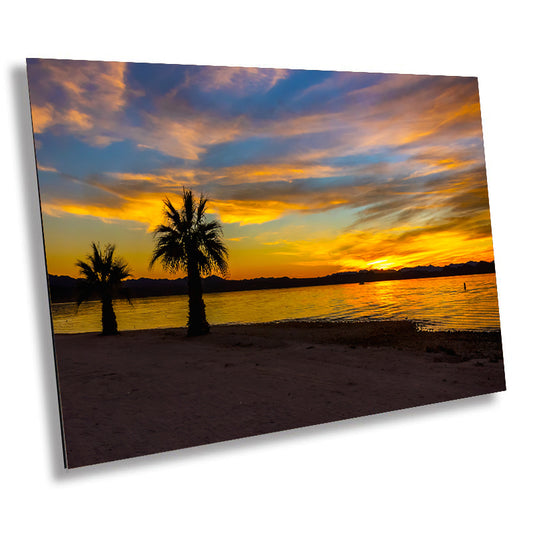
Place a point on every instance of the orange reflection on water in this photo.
(435, 303)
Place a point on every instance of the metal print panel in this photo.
(238, 251)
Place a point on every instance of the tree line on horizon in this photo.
(65, 288)
(186, 241)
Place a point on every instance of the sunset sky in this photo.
(309, 172)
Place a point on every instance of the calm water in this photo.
(437, 303)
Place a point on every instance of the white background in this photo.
(461, 466)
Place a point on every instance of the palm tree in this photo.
(190, 243)
(102, 277)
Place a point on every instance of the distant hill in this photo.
(63, 288)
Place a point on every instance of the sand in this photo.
(150, 391)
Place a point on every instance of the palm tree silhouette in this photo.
(102, 277)
(190, 243)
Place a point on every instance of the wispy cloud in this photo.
(391, 167)
(78, 98)
(42, 168)
(239, 80)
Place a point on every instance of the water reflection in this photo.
(437, 303)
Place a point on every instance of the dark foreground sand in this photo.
(150, 391)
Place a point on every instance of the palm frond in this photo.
(102, 274)
(188, 207)
(85, 291)
(186, 241)
(200, 210)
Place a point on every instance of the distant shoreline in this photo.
(63, 289)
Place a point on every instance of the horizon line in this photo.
(301, 278)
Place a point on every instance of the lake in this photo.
(435, 303)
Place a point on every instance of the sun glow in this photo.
(310, 173)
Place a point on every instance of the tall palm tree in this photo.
(190, 243)
(102, 277)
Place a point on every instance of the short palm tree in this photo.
(102, 277)
(188, 242)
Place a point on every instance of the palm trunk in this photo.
(197, 323)
(109, 320)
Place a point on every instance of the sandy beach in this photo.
(151, 391)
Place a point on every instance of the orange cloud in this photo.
(42, 168)
(249, 212)
(240, 80)
(92, 93)
(186, 137)
(42, 117)
(403, 157)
